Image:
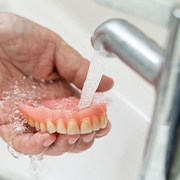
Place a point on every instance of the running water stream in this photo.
(92, 81)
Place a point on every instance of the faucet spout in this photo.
(120, 38)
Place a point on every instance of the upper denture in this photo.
(63, 116)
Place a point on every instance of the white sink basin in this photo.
(117, 156)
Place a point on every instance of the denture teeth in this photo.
(103, 121)
(31, 123)
(86, 126)
(43, 127)
(37, 126)
(95, 123)
(72, 127)
(51, 128)
(61, 127)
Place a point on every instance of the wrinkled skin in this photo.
(28, 49)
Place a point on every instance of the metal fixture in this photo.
(118, 37)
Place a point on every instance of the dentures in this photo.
(63, 116)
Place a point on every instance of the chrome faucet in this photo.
(160, 67)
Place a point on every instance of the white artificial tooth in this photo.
(43, 127)
(72, 127)
(103, 121)
(61, 127)
(31, 123)
(95, 123)
(37, 126)
(86, 126)
(51, 128)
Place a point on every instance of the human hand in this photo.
(28, 49)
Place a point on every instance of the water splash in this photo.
(92, 81)
(24, 90)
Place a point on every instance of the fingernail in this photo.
(48, 143)
(100, 134)
(72, 140)
(88, 139)
(105, 131)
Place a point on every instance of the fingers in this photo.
(64, 143)
(26, 143)
(105, 84)
(75, 143)
(73, 67)
(103, 132)
(33, 143)
(49, 144)
(84, 143)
